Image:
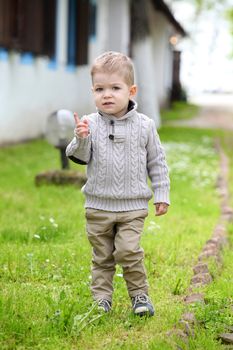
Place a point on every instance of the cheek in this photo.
(96, 98)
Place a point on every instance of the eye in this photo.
(99, 89)
(116, 88)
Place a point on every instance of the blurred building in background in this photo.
(47, 46)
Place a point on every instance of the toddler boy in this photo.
(121, 148)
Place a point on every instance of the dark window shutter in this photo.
(28, 26)
(78, 32)
(82, 33)
(49, 38)
(7, 22)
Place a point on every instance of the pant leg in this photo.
(100, 232)
(128, 252)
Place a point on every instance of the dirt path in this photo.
(216, 112)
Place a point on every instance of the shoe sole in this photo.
(143, 311)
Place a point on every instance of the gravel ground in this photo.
(216, 112)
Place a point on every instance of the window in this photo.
(28, 26)
(92, 22)
(78, 32)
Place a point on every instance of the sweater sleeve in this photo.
(79, 150)
(157, 167)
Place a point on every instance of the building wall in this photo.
(113, 28)
(162, 56)
(30, 92)
(118, 26)
(32, 88)
(142, 51)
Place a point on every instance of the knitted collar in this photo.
(132, 107)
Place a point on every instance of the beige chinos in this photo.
(115, 238)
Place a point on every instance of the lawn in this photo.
(179, 110)
(45, 260)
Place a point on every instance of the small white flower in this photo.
(37, 236)
(153, 224)
(57, 313)
(52, 220)
(119, 274)
(56, 277)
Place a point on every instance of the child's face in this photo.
(112, 93)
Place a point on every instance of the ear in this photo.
(133, 90)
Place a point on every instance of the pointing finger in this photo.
(85, 121)
(76, 118)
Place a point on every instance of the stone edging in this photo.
(211, 250)
(60, 177)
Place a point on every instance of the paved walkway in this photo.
(216, 112)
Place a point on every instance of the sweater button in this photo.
(111, 137)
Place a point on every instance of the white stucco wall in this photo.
(145, 71)
(113, 28)
(162, 55)
(153, 62)
(118, 26)
(30, 92)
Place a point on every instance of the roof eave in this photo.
(161, 6)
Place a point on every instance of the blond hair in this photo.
(112, 62)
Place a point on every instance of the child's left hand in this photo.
(161, 208)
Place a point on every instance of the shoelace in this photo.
(142, 299)
(104, 302)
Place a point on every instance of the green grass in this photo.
(45, 259)
(216, 314)
(179, 110)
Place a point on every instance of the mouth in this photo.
(108, 103)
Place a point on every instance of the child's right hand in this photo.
(81, 127)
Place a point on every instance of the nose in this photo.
(107, 93)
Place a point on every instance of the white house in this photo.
(46, 47)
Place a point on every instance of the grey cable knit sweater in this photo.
(120, 154)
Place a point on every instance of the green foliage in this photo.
(223, 7)
(215, 314)
(229, 16)
(208, 4)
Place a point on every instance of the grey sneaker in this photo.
(142, 305)
(104, 305)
